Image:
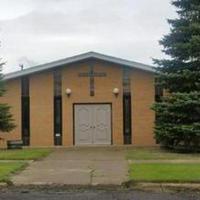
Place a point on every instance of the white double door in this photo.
(92, 124)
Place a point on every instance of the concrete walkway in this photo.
(77, 166)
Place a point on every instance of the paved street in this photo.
(77, 166)
(93, 195)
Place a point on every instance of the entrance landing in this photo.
(77, 166)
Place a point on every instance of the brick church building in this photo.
(88, 99)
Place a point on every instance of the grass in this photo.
(6, 169)
(158, 154)
(159, 172)
(24, 154)
(162, 172)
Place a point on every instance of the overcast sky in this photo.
(37, 31)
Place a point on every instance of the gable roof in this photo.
(77, 58)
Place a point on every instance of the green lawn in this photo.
(162, 172)
(24, 154)
(6, 169)
(157, 172)
(158, 154)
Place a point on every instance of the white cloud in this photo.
(43, 31)
(11, 9)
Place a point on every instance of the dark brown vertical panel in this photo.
(57, 108)
(127, 107)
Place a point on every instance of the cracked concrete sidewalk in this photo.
(77, 166)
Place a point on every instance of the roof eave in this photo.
(77, 58)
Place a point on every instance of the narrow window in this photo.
(158, 93)
(127, 106)
(57, 108)
(158, 98)
(25, 106)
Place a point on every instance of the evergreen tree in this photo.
(178, 112)
(6, 120)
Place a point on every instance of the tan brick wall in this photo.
(143, 94)
(103, 94)
(41, 109)
(41, 103)
(13, 98)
